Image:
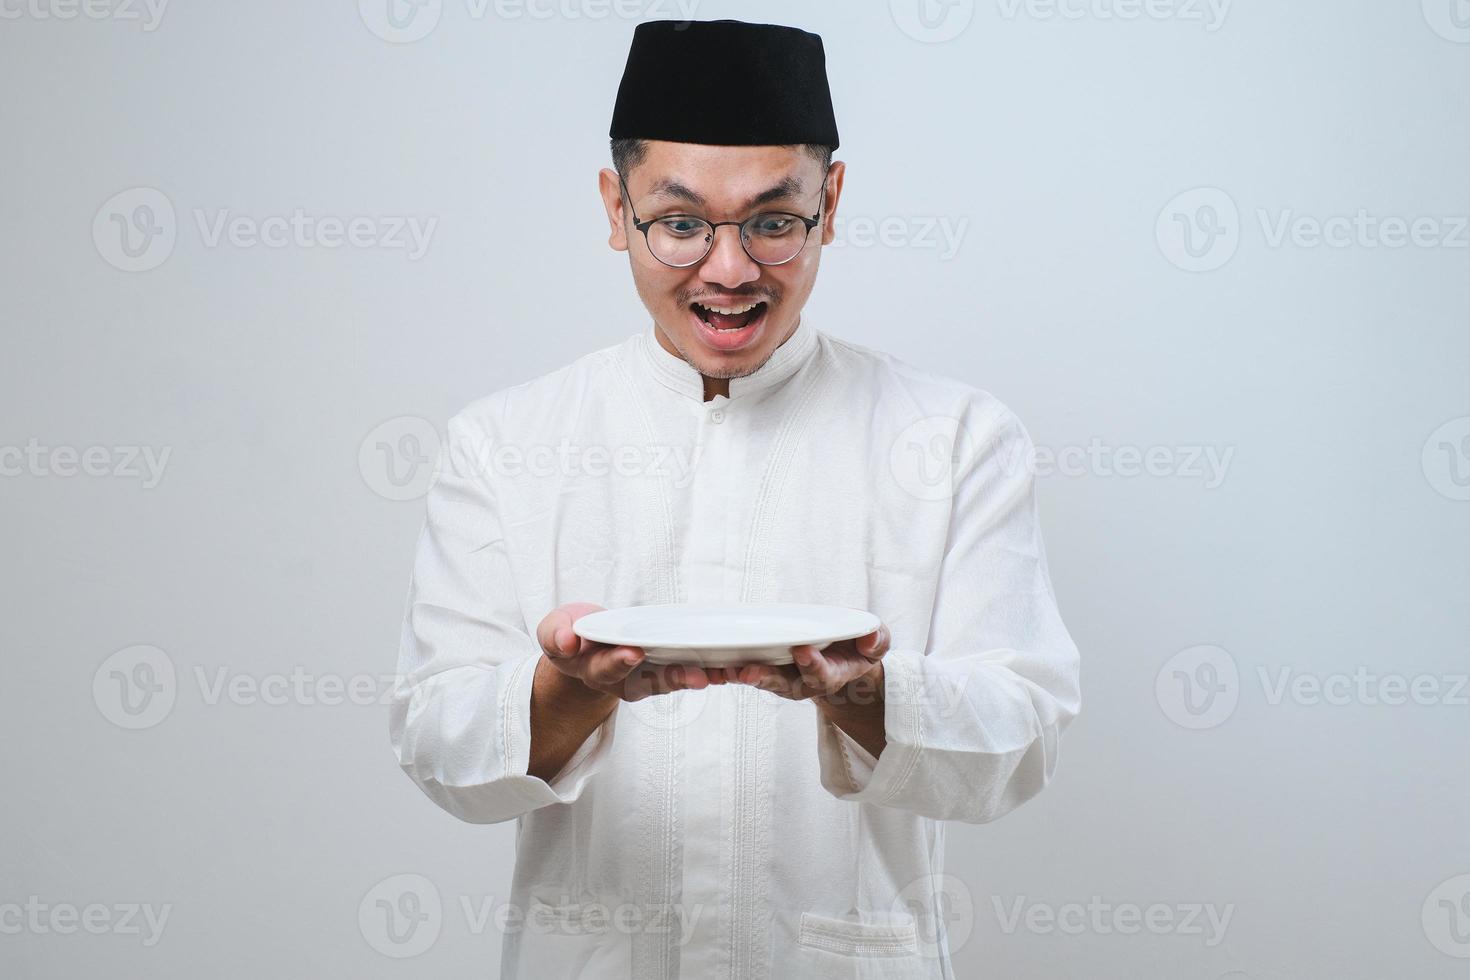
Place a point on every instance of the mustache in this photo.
(770, 296)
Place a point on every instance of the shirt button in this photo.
(717, 416)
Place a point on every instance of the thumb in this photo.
(558, 639)
(809, 663)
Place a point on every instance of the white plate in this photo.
(724, 634)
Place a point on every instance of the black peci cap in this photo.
(725, 83)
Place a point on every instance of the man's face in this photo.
(723, 183)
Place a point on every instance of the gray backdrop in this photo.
(1214, 255)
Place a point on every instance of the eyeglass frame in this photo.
(714, 227)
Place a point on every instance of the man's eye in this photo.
(681, 227)
(773, 225)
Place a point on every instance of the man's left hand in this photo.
(821, 672)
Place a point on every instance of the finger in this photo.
(784, 680)
(650, 679)
(586, 647)
(789, 683)
(572, 645)
(816, 668)
(564, 643)
(610, 666)
(875, 644)
(685, 677)
(555, 633)
(556, 622)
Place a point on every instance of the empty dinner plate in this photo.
(724, 634)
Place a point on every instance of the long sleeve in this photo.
(460, 720)
(972, 723)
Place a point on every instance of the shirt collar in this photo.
(679, 375)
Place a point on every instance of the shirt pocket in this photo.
(571, 939)
(872, 946)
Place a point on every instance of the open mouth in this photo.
(726, 327)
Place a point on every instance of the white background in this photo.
(1058, 138)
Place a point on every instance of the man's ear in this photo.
(612, 200)
(834, 191)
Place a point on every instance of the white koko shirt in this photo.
(730, 834)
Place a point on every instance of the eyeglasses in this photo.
(769, 238)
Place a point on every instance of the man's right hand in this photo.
(618, 671)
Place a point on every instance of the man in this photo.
(755, 823)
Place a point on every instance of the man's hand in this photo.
(844, 679)
(578, 683)
(618, 671)
(846, 667)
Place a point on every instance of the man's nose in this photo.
(727, 264)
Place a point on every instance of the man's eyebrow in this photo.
(789, 187)
(668, 187)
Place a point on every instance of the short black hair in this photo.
(627, 153)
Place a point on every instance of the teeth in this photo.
(728, 311)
